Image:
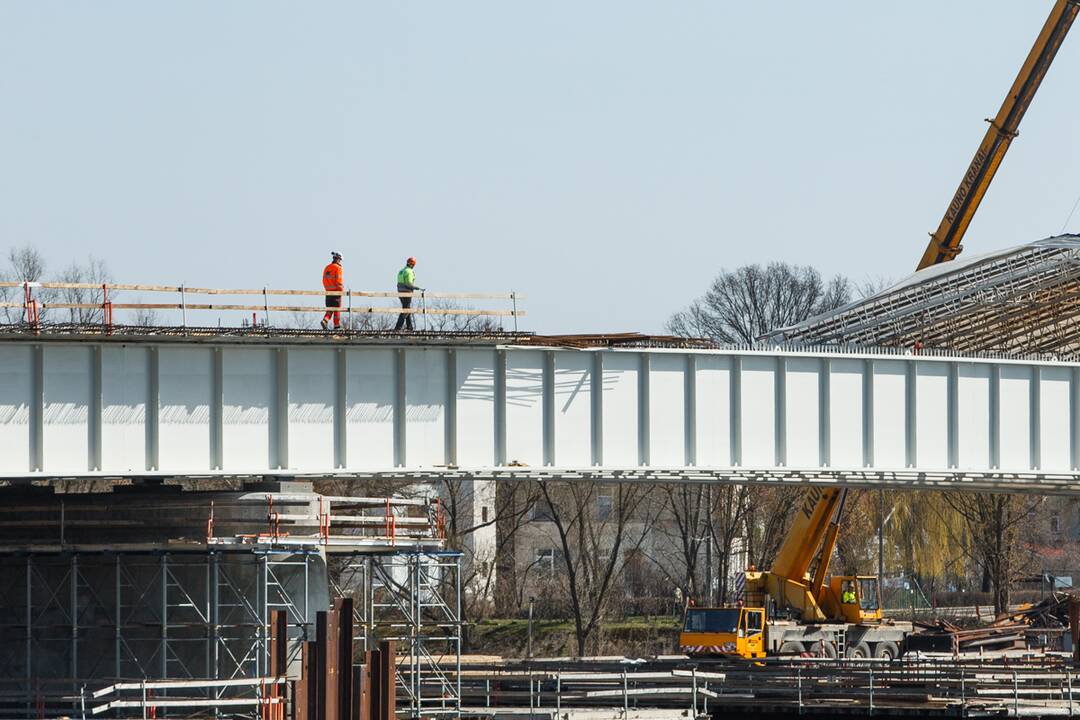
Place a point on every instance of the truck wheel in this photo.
(886, 650)
(825, 649)
(792, 648)
(860, 651)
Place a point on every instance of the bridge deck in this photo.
(80, 406)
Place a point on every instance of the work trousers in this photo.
(333, 301)
(404, 320)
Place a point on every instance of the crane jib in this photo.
(945, 242)
(811, 502)
(975, 170)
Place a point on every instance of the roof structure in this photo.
(1024, 300)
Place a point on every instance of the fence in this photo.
(191, 695)
(1032, 687)
(95, 303)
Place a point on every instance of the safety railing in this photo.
(150, 698)
(551, 687)
(96, 303)
(337, 522)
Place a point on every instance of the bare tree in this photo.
(994, 523)
(465, 527)
(95, 273)
(727, 520)
(371, 487)
(744, 304)
(144, 317)
(767, 517)
(703, 525)
(594, 541)
(369, 321)
(872, 285)
(24, 264)
(304, 320)
(453, 322)
(855, 552)
(687, 507)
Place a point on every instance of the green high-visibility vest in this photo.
(406, 276)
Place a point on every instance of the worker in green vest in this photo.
(406, 283)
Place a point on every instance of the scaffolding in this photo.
(92, 616)
(1020, 301)
(414, 599)
(78, 617)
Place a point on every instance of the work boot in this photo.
(325, 325)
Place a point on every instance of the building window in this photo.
(605, 502)
(483, 513)
(545, 560)
(541, 510)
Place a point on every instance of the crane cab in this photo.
(738, 631)
(854, 598)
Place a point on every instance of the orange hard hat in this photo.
(410, 262)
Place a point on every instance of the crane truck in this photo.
(796, 608)
(788, 609)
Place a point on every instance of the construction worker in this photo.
(333, 281)
(406, 283)
(848, 595)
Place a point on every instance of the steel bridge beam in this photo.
(102, 408)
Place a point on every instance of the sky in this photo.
(604, 158)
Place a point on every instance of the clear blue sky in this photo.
(607, 157)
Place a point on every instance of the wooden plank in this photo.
(261, 291)
(276, 308)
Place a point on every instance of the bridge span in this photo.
(124, 406)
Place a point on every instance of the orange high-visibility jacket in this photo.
(333, 278)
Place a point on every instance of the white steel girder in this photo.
(106, 408)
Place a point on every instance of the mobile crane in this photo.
(788, 610)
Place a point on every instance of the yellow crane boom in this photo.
(945, 242)
(811, 535)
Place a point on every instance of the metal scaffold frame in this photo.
(84, 618)
(162, 615)
(414, 599)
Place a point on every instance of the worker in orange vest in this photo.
(333, 281)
